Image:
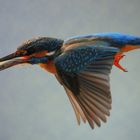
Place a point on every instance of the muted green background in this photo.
(33, 106)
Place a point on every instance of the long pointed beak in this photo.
(11, 60)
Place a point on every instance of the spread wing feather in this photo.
(84, 73)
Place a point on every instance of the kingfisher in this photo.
(82, 65)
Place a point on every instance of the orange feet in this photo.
(118, 57)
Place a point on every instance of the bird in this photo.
(82, 65)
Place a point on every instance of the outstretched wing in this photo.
(84, 70)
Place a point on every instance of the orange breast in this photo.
(50, 67)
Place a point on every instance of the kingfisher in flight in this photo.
(82, 65)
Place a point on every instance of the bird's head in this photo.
(33, 51)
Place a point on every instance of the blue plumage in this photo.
(82, 65)
(115, 39)
(76, 60)
(35, 60)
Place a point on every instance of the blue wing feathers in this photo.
(77, 59)
(106, 44)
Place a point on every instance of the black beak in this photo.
(11, 60)
(8, 57)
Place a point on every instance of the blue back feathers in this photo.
(115, 39)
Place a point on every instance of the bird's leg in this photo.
(118, 57)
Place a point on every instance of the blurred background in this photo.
(33, 106)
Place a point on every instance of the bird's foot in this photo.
(118, 57)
